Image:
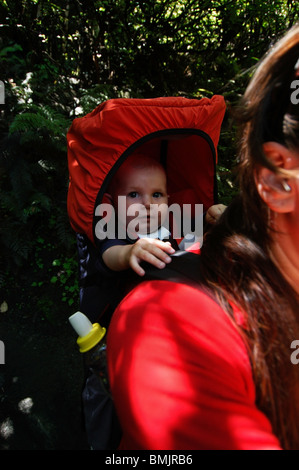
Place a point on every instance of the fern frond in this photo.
(63, 231)
(40, 117)
(15, 244)
(41, 200)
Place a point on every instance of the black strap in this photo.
(184, 266)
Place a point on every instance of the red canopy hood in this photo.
(182, 133)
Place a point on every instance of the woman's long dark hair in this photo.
(236, 258)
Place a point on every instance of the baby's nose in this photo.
(147, 200)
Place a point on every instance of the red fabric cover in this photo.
(180, 374)
(195, 248)
(97, 141)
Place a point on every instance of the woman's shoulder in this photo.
(178, 298)
(188, 312)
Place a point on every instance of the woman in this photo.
(211, 368)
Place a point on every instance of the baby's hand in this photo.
(152, 251)
(214, 212)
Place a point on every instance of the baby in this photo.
(142, 182)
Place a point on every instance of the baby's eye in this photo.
(157, 194)
(133, 194)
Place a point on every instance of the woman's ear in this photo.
(275, 190)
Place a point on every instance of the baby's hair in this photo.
(136, 161)
(140, 160)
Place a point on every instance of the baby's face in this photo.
(146, 199)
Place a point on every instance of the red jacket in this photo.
(180, 374)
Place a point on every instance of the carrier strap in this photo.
(184, 267)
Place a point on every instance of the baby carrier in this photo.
(181, 133)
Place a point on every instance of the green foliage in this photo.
(59, 60)
(66, 270)
(39, 121)
(55, 274)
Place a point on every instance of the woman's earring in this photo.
(286, 186)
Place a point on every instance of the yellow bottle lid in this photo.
(89, 334)
(87, 342)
